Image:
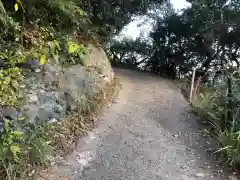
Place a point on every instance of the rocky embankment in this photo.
(51, 92)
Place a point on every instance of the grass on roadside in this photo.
(211, 104)
(23, 155)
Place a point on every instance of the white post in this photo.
(192, 84)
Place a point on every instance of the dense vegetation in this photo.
(48, 32)
(203, 36)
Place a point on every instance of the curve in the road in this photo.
(148, 134)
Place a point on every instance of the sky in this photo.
(179, 4)
(133, 31)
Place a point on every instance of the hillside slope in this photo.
(50, 91)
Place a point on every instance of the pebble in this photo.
(184, 167)
(83, 162)
(37, 70)
(22, 86)
(200, 175)
(53, 120)
(33, 98)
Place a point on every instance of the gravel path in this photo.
(148, 134)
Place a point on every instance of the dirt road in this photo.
(148, 134)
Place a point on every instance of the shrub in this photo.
(221, 104)
(76, 53)
(39, 30)
(20, 147)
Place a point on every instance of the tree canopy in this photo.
(98, 17)
(205, 35)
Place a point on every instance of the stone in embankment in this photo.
(52, 91)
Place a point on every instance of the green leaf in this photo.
(201, 95)
(40, 150)
(18, 135)
(71, 49)
(81, 12)
(43, 59)
(14, 150)
(21, 118)
(19, 1)
(4, 152)
(16, 7)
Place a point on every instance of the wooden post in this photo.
(192, 85)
